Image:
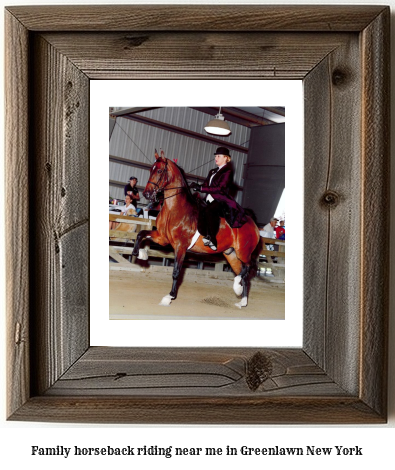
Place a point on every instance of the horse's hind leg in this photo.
(237, 267)
(240, 285)
(244, 283)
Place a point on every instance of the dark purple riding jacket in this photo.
(220, 190)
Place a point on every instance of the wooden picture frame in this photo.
(340, 373)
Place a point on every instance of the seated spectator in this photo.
(268, 232)
(280, 231)
(268, 229)
(127, 209)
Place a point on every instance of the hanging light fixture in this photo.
(218, 125)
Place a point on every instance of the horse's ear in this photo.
(162, 153)
(156, 155)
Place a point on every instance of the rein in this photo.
(168, 197)
(163, 188)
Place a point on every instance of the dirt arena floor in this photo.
(135, 295)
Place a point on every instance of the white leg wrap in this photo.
(142, 254)
(166, 301)
(237, 287)
(242, 303)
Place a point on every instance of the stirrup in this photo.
(209, 243)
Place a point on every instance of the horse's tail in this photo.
(255, 258)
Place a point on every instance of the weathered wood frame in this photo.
(339, 376)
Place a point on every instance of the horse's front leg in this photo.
(179, 256)
(154, 235)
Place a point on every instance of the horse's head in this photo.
(159, 177)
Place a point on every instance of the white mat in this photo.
(194, 239)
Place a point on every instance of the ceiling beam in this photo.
(179, 130)
(273, 110)
(146, 166)
(126, 161)
(212, 111)
(236, 116)
(121, 112)
(249, 117)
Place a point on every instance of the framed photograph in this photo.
(339, 375)
(258, 180)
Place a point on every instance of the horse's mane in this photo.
(190, 196)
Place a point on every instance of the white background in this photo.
(275, 333)
(16, 438)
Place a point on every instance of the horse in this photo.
(177, 225)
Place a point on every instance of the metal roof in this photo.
(245, 116)
(180, 132)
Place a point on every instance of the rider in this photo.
(220, 203)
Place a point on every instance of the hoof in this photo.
(237, 287)
(242, 303)
(142, 254)
(166, 301)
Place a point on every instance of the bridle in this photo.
(159, 189)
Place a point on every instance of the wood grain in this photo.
(339, 376)
(152, 55)
(17, 226)
(60, 249)
(196, 18)
(332, 201)
(344, 186)
(375, 212)
(196, 386)
(188, 372)
(198, 410)
(317, 152)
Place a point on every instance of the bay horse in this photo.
(177, 225)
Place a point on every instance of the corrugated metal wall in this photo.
(136, 141)
(265, 171)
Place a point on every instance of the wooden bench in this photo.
(278, 268)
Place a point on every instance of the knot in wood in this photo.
(120, 375)
(18, 335)
(259, 369)
(330, 199)
(135, 41)
(339, 77)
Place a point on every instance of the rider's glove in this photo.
(196, 186)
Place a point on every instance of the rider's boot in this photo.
(210, 242)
